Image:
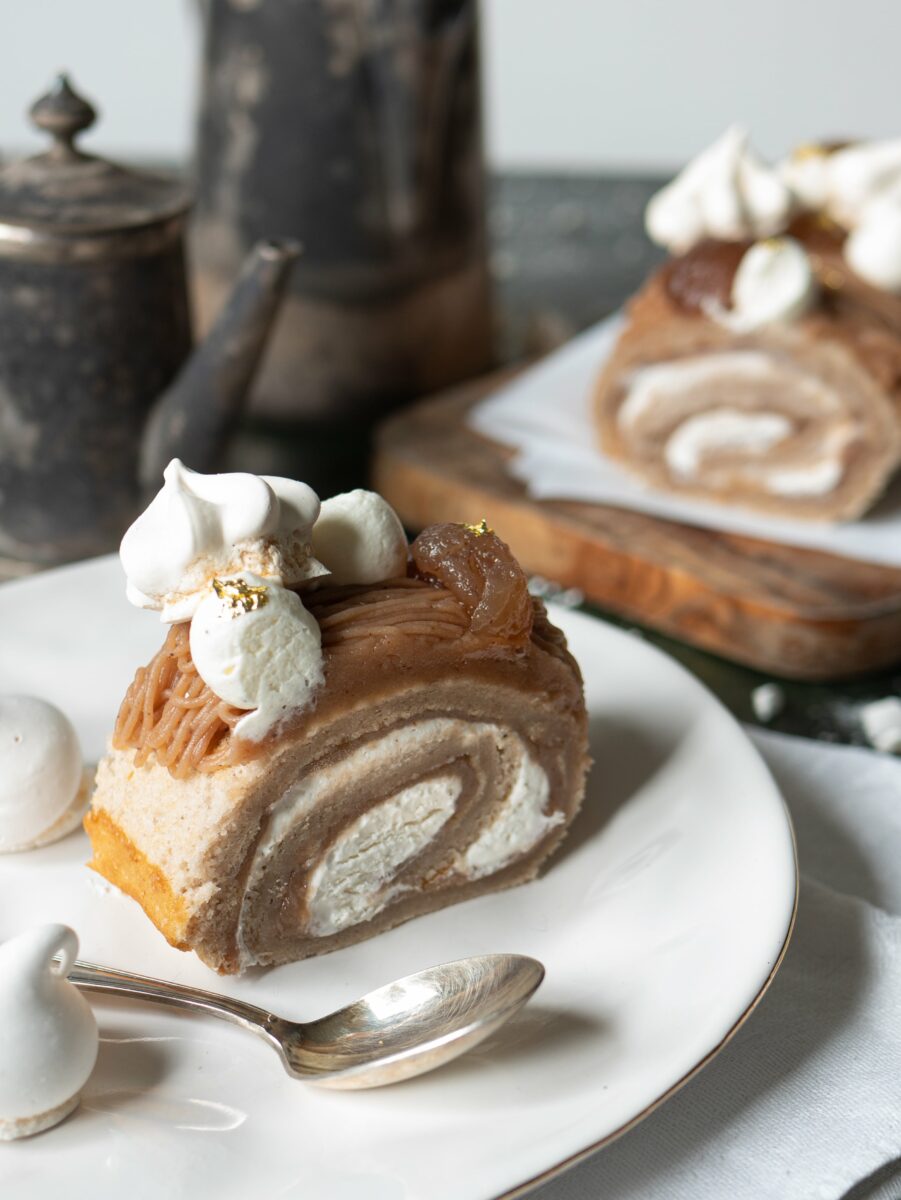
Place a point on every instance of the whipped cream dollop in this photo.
(806, 173)
(222, 551)
(48, 1034)
(843, 181)
(43, 784)
(256, 647)
(200, 526)
(359, 538)
(774, 282)
(727, 192)
(858, 187)
(858, 174)
(873, 248)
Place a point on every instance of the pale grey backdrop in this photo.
(580, 84)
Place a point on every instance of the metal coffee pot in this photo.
(356, 127)
(99, 386)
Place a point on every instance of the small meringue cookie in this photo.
(727, 192)
(359, 538)
(858, 175)
(256, 647)
(806, 172)
(873, 248)
(48, 1034)
(198, 526)
(881, 721)
(774, 282)
(44, 787)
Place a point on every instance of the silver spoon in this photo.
(398, 1031)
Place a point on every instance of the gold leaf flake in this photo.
(480, 529)
(810, 150)
(240, 595)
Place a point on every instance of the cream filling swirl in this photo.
(672, 407)
(355, 878)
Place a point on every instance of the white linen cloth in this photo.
(546, 415)
(805, 1102)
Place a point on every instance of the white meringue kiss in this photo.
(198, 526)
(359, 538)
(845, 182)
(268, 659)
(806, 172)
(727, 192)
(873, 248)
(43, 790)
(774, 282)
(48, 1034)
(860, 174)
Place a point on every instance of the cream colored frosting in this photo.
(520, 823)
(806, 172)
(873, 248)
(816, 478)
(42, 786)
(722, 429)
(859, 174)
(844, 182)
(203, 538)
(859, 187)
(752, 433)
(256, 647)
(360, 539)
(201, 526)
(48, 1034)
(727, 192)
(649, 385)
(774, 283)
(353, 880)
(730, 194)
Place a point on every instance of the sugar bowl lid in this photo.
(65, 193)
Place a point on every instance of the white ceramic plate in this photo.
(660, 922)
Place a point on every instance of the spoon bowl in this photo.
(413, 1025)
(395, 1032)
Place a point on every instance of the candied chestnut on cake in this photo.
(339, 732)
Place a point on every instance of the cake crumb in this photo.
(571, 597)
(881, 721)
(767, 701)
(539, 586)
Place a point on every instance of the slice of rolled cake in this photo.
(764, 373)
(439, 753)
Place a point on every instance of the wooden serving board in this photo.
(793, 612)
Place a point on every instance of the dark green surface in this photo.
(827, 712)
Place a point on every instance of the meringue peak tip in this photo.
(175, 471)
(727, 191)
(200, 526)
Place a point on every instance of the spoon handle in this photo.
(92, 978)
